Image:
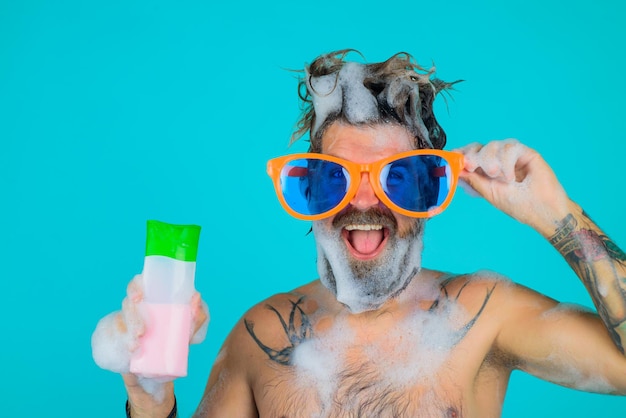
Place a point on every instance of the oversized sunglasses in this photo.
(418, 183)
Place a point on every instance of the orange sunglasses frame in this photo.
(455, 160)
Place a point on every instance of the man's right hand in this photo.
(117, 337)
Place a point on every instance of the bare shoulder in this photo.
(267, 333)
(498, 291)
(513, 313)
(300, 301)
(499, 314)
(498, 307)
(275, 323)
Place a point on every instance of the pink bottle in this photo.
(168, 279)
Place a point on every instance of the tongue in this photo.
(366, 242)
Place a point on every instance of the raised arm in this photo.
(601, 266)
(517, 180)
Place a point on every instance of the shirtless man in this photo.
(378, 335)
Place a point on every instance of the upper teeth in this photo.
(364, 227)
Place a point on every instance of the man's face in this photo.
(367, 253)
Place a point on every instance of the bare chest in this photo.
(419, 363)
(389, 378)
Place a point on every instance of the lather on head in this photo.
(397, 91)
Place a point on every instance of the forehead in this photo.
(366, 143)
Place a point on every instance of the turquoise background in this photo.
(115, 112)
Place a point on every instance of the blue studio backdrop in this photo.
(116, 112)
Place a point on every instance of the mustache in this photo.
(380, 216)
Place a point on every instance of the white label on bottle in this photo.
(167, 280)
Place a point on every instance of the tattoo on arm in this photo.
(297, 330)
(601, 265)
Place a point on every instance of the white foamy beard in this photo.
(366, 285)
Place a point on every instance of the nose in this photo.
(365, 197)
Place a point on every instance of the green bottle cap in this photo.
(175, 241)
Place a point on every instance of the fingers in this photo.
(516, 180)
(117, 335)
(497, 160)
(131, 316)
(131, 319)
(134, 290)
(200, 319)
(469, 152)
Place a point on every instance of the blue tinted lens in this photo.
(417, 183)
(312, 186)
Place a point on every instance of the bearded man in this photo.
(379, 334)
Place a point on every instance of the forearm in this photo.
(142, 404)
(601, 266)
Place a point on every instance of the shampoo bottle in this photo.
(168, 282)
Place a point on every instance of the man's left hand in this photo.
(516, 180)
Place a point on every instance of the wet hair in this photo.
(396, 91)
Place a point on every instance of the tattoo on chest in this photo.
(359, 386)
(446, 298)
(297, 329)
(297, 326)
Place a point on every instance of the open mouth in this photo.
(365, 241)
